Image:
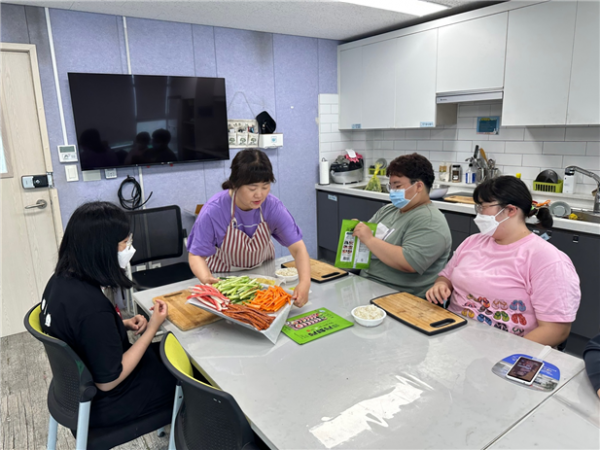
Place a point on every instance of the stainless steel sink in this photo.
(586, 215)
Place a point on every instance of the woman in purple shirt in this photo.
(234, 228)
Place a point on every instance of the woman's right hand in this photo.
(439, 293)
(209, 279)
(159, 315)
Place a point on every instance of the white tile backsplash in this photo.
(525, 150)
(545, 134)
(583, 134)
(564, 148)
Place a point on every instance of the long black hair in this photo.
(248, 167)
(88, 250)
(509, 190)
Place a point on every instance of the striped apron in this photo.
(239, 251)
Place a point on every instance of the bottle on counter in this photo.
(470, 175)
(456, 173)
(444, 172)
(569, 182)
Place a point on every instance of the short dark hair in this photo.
(413, 166)
(509, 190)
(248, 167)
(89, 247)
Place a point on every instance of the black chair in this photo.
(71, 393)
(158, 234)
(206, 417)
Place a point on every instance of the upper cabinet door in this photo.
(584, 94)
(538, 64)
(471, 54)
(415, 80)
(351, 88)
(379, 61)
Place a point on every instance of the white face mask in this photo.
(125, 256)
(487, 224)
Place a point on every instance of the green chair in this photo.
(70, 397)
(203, 416)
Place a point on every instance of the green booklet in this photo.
(313, 325)
(351, 253)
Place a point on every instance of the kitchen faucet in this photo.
(596, 178)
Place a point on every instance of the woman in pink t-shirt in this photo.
(506, 276)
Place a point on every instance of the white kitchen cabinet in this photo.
(584, 92)
(538, 64)
(378, 90)
(471, 54)
(351, 88)
(415, 80)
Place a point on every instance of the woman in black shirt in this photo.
(131, 379)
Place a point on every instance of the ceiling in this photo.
(314, 18)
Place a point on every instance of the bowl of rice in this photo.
(287, 274)
(368, 316)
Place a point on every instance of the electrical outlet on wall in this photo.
(71, 172)
(110, 173)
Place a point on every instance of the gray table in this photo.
(568, 419)
(380, 388)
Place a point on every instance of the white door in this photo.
(471, 54)
(584, 93)
(415, 80)
(538, 64)
(29, 235)
(350, 67)
(379, 89)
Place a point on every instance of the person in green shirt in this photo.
(412, 242)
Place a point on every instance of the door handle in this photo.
(41, 204)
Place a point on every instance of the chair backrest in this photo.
(157, 234)
(210, 417)
(71, 380)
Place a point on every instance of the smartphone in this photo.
(525, 370)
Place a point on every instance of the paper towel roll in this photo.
(323, 171)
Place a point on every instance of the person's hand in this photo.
(439, 293)
(300, 296)
(137, 323)
(159, 314)
(209, 279)
(362, 232)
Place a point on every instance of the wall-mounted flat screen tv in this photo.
(141, 120)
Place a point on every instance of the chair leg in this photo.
(83, 424)
(176, 405)
(52, 432)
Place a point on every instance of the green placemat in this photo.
(313, 325)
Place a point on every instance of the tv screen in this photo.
(140, 120)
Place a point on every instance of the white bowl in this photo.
(366, 322)
(285, 278)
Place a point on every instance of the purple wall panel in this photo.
(204, 51)
(160, 48)
(13, 25)
(296, 90)
(245, 60)
(328, 66)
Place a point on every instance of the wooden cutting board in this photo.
(460, 199)
(183, 315)
(320, 271)
(418, 313)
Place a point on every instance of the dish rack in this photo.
(556, 188)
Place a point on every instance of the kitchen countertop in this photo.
(578, 201)
(365, 388)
